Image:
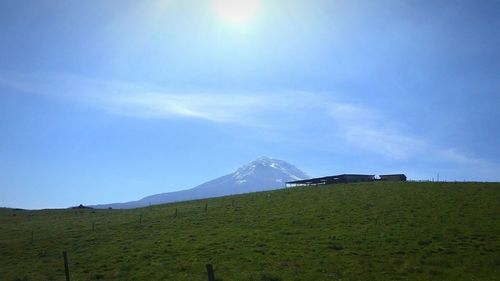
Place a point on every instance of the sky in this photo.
(111, 101)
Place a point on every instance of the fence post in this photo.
(32, 236)
(210, 272)
(206, 207)
(175, 215)
(66, 267)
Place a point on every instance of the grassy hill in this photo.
(368, 231)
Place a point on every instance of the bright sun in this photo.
(236, 11)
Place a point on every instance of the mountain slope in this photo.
(261, 174)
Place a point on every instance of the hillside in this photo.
(370, 231)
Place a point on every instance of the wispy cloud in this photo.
(143, 102)
(358, 126)
(369, 130)
(212, 107)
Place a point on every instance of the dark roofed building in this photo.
(344, 178)
(393, 177)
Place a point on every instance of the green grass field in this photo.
(368, 231)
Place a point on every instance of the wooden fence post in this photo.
(175, 215)
(206, 207)
(66, 267)
(210, 272)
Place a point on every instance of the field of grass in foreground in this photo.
(366, 231)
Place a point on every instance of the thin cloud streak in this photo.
(367, 129)
(127, 99)
(216, 108)
(358, 126)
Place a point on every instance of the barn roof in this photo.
(329, 178)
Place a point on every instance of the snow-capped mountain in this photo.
(261, 174)
(268, 169)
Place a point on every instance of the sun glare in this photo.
(236, 11)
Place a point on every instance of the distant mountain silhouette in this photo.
(261, 174)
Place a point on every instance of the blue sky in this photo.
(110, 101)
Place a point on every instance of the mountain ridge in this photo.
(263, 173)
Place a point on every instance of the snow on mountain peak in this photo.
(278, 170)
